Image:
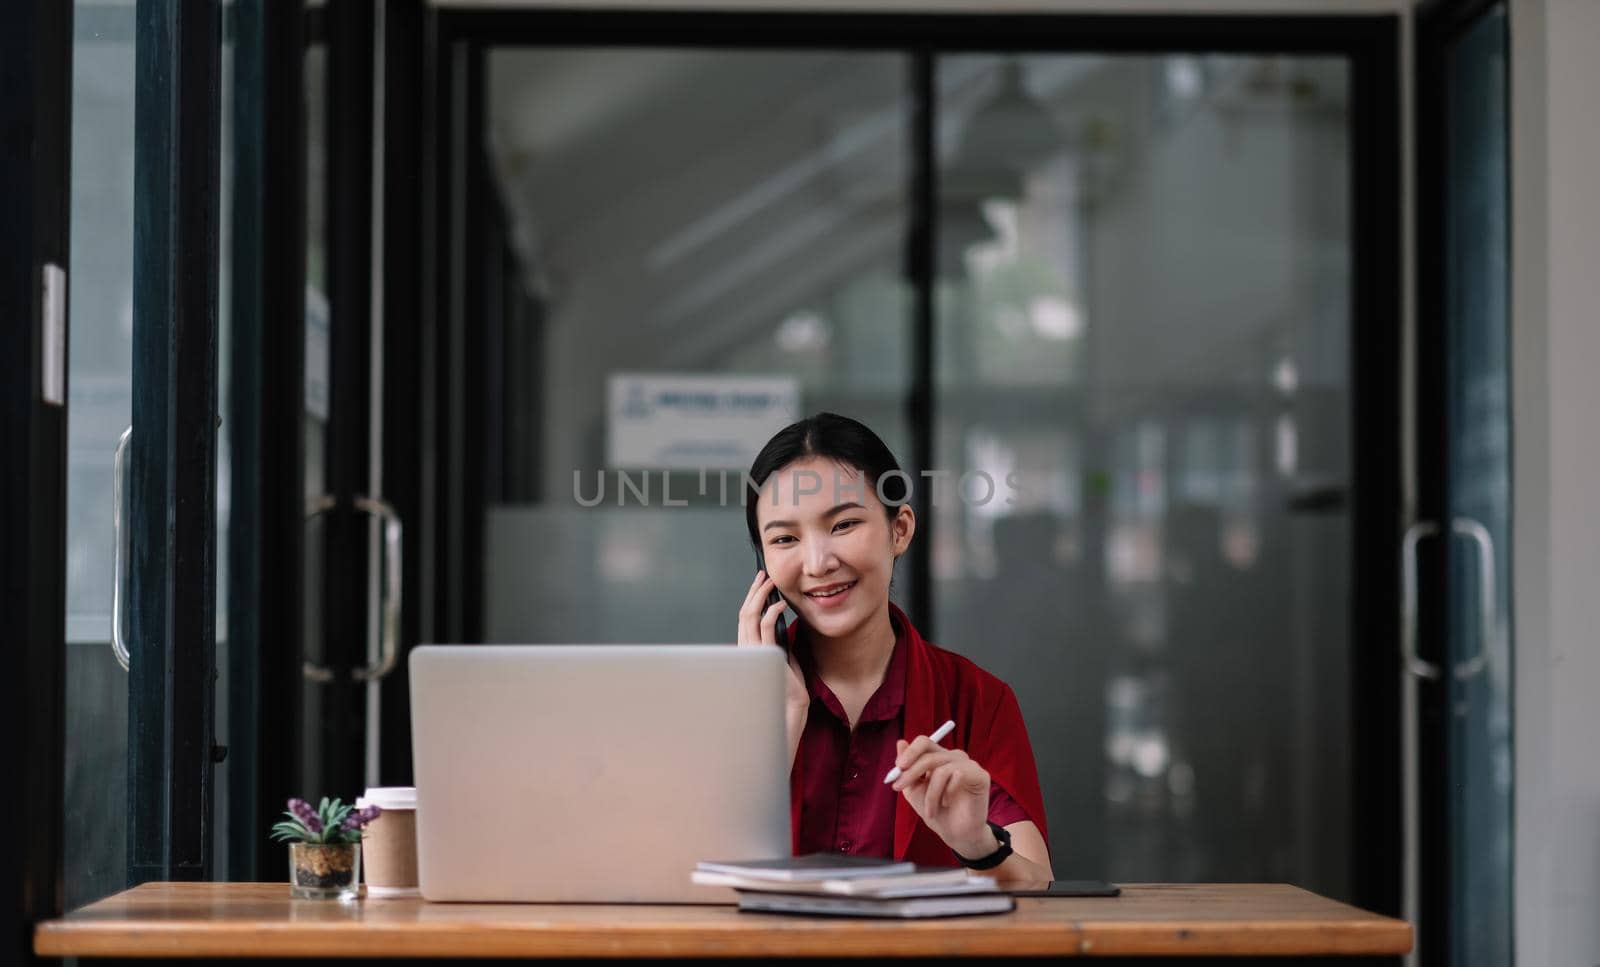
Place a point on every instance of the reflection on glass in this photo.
(225, 179)
(1142, 336)
(99, 407)
(704, 214)
(1143, 314)
(314, 423)
(1480, 770)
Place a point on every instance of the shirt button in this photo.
(854, 773)
(844, 846)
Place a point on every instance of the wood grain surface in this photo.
(260, 920)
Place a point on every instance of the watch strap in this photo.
(993, 859)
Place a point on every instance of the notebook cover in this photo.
(914, 908)
(813, 866)
(941, 882)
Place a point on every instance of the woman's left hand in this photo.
(949, 791)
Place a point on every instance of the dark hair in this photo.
(832, 437)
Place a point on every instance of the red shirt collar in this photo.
(890, 697)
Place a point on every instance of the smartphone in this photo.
(1066, 888)
(772, 599)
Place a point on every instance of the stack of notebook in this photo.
(857, 886)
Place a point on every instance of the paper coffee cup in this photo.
(389, 843)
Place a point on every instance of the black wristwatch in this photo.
(993, 859)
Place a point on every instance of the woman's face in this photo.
(829, 544)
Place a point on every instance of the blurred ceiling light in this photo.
(1008, 135)
(1150, 754)
(623, 561)
(1055, 318)
(1184, 77)
(1285, 376)
(803, 331)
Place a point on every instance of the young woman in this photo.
(866, 691)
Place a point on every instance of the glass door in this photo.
(99, 417)
(142, 429)
(1144, 393)
(353, 536)
(1462, 673)
(1128, 319)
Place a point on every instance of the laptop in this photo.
(594, 773)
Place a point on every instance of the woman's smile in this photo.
(831, 595)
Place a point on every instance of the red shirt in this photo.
(839, 801)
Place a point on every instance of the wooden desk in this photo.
(259, 920)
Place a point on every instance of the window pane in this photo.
(1143, 320)
(695, 215)
(99, 407)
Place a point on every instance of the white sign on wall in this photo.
(687, 421)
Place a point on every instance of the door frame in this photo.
(267, 447)
(173, 451)
(177, 331)
(1439, 23)
(36, 111)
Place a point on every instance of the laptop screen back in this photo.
(602, 773)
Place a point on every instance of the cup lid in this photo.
(389, 797)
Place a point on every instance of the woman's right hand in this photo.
(758, 626)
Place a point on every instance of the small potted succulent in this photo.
(324, 848)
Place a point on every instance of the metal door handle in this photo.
(1488, 604)
(1415, 668)
(1426, 670)
(393, 542)
(393, 539)
(119, 648)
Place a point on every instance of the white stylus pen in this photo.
(938, 733)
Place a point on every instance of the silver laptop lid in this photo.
(594, 772)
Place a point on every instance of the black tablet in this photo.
(1066, 888)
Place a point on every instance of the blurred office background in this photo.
(1155, 285)
(1142, 318)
